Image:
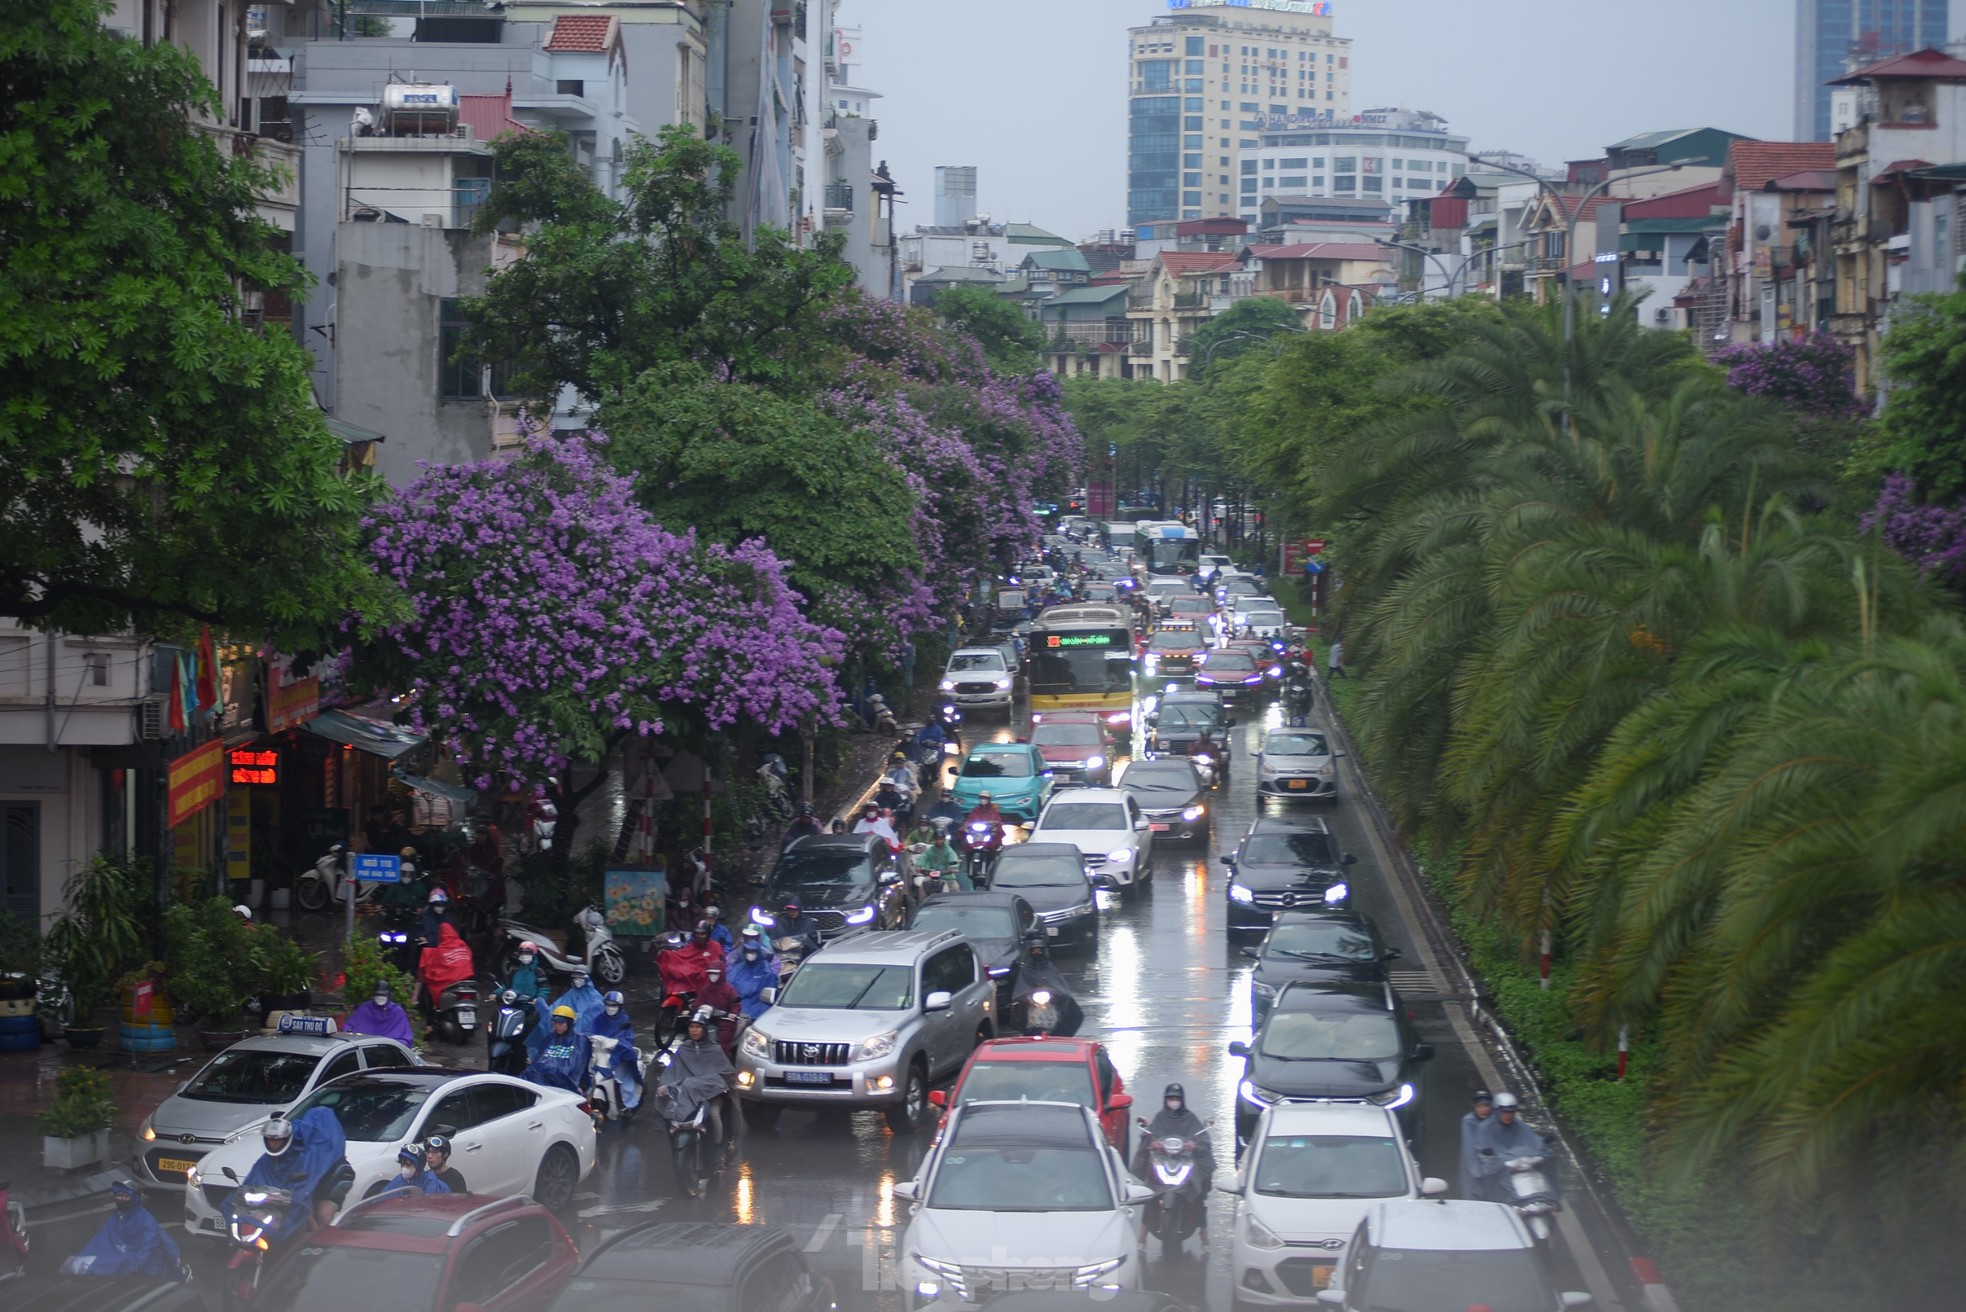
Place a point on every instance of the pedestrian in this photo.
(1335, 661)
(1484, 1107)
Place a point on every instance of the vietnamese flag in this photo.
(175, 716)
(207, 669)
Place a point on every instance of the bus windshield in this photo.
(1081, 661)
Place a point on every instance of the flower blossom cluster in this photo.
(1813, 374)
(1930, 537)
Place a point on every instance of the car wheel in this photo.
(559, 1176)
(906, 1116)
(761, 1115)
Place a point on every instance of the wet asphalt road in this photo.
(1166, 993)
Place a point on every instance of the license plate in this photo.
(1300, 783)
(468, 1019)
(808, 1077)
(178, 1164)
(1051, 931)
(1161, 829)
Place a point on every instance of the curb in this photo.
(86, 1186)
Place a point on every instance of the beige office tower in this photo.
(1207, 80)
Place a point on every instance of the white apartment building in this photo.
(1207, 81)
(1392, 155)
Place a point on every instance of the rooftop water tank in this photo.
(419, 109)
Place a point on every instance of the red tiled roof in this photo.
(1183, 263)
(488, 116)
(1752, 163)
(589, 32)
(1806, 180)
(1919, 63)
(1321, 250)
(1567, 205)
(1900, 166)
(1691, 203)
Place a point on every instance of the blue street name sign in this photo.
(374, 868)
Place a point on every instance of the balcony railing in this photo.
(1190, 300)
(1141, 346)
(1079, 335)
(839, 195)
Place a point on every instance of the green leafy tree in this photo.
(1244, 327)
(1923, 429)
(161, 460)
(1010, 339)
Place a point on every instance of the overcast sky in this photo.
(1033, 92)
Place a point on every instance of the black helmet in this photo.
(805, 808)
(1482, 1096)
(1174, 1091)
(702, 930)
(438, 1143)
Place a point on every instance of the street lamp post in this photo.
(1460, 270)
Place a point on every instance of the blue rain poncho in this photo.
(561, 1063)
(128, 1244)
(624, 1061)
(318, 1145)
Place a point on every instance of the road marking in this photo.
(622, 1209)
(827, 1224)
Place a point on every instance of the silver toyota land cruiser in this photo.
(871, 1020)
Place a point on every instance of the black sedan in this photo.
(1283, 865)
(681, 1264)
(1306, 947)
(997, 925)
(844, 881)
(1345, 1042)
(1172, 795)
(1052, 878)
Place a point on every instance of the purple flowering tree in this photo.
(1930, 537)
(1813, 375)
(552, 619)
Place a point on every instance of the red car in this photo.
(445, 1252)
(1117, 725)
(1074, 753)
(1046, 1070)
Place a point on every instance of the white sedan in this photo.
(508, 1136)
(1107, 825)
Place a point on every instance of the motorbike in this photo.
(505, 1033)
(1532, 1196)
(1297, 699)
(1213, 766)
(686, 1117)
(397, 939)
(950, 717)
(13, 1234)
(1040, 1013)
(893, 797)
(330, 880)
(676, 1008)
(457, 1011)
(543, 817)
(251, 1216)
(1176, 1212)
(54, 1004)
(603, 960)
(604, 1100)
(981, 841)
(789, 950)
(778, 795)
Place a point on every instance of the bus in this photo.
(1166, 547)
(1081, 658)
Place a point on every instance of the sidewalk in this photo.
(138, 1082)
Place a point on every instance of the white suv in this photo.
(978, 676)
(1310, 1173)
(1107, 826)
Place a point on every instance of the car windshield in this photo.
(1433, 1280)
(839, 986)
(997, 765)
(1319, 941)
(249, 1076)
(318, 1278)
(1331, 1166)
(1266, 618)
(1017, 870)
(1174, 640)
(1241, 662)
(1306, 849)
(1040, 1081)
(1085, 815)
(371, 1110)
(1297, 744)
(1004, 1178)
(976, 922)
(1193, 716)
(1190, 605)
(805, 867)
(976, 660)
(1068, 735)
(1171, 776)
(1308, 1036)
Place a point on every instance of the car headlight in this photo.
(145, 1132)
(1259, 1235)
(1119, 717)
(1120, 855)
(1262, 990)
(1194, 812)
(1337, 893)
(1276, 671)
(1085, 1276)
(998, 972)
(1256, 1097)
(1094, 761)
(193, 1178)
(877, 1047)
(947, 685)
(755, 1043)
(1328, 768)
(1240, 893)
(1002, 684)
(860, 917)
(1394, 1097)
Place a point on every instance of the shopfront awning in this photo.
(373, 736)
(457, 794)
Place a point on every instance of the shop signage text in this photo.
(194, 781)
(250, 766)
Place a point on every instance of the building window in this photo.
(1193, 66)
(1249, 166)
(1292, 183)
(1193, 45)
(1192, 122)
(570, 86)
(1294, 164)
(1191, 180)
(457, 379)
(1345, 164)
(1156, 75)
(1269, 165)
(1191, 141)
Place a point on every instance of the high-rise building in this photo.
(1389, 155)
(1834, 36)
(955, 194)
(1208, 80)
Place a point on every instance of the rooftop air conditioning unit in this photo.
(433, 220)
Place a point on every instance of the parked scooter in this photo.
(602, 960)
(330, 880)
(1176, 1211)
(13, 1234)
(1532, 1196)
(777, 801)
(505, 1033)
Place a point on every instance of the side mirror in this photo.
(1120, 1102)
(1331, 1297)
(1433, 1187)
(768, 996)
(1390, 954)
(1137, 1194)
(1228, 1181)
(1229, 859)
(937, 1001)
(1252, 952)
(905, 1191)
(1348, 859)
(938, 1098)
(228, 1173)
(1423, 1052)
(1142, 825)
(1238, 1048)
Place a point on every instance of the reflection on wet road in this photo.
(1166, 993)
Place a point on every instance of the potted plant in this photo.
(212, 964)
(96, 936)
(75, 1126)
(286, 971)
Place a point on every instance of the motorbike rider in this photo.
(436, 914)
(871, 821)
(697, 1072)
(444, 963)
(1175, 1121)
(806, 825)
(793, 922)
(679, 968)
(582, 996)
(1037, 971)
(380, 1015)
(1501, 1137)
(624, 1062)
(719, 931)
(718, 993)
(754, 971)
(940, 859)
(304, 1156)
(437, 1156)
(563, 1060)
(413, 1175)
(528, 979)
(986, 809)
(129, 1243)
(1478, 1115)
